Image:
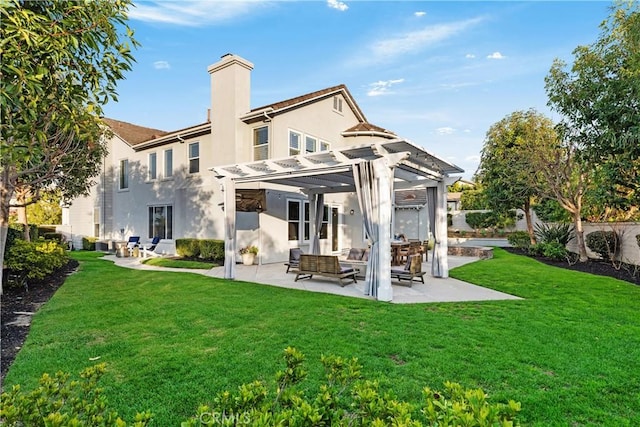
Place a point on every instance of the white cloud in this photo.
(445, 130)
(474, 158)
(415, 41)
(469, 56)
(161, 65)
(382, 87)
(336, 4)
(496, 55)
(191, 12)
(420, 14)
(467, 131)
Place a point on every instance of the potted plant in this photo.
(248, 254)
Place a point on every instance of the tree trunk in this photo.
(6, 193)
(21, 198)
(582, 249)
(529, 219)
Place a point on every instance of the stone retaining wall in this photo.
(475, 251)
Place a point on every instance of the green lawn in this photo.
(569, 352)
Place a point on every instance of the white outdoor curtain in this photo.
(317, 221)
(439, 266)
(229, 188)
(368, 199)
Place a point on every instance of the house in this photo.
(169, 184)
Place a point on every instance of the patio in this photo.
(434, 290)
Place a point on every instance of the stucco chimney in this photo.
(230, 99)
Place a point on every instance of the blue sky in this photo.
(436, 73)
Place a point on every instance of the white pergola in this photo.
(373, 172)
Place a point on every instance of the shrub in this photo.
(560, 233)
(552, 250)
(34, 260)
(60, 402)
(345, 399)
(212, 249)
(604, 243)
(89, 243)
(491, 219)
(188, 248)
(519, 239)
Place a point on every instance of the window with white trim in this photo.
(124, 174)
(168, 163)
(295, 141)
(161, 221)
(325, 146)
(261, 143)
(307, 222)
(324, 227)
(310, 144)
(194, 157)
(153, 166)
(293, 219)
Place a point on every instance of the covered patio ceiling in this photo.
(372, 171)
(331, 171)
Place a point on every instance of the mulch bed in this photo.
(16, 300)
(16, 305)
(627, 272)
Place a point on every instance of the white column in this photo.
(229, 188)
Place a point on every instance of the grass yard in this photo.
(569, 352)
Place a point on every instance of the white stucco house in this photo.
(278, 158)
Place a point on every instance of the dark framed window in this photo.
(161, 221)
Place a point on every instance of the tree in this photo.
(47, 210)
(61, 60)
(599, 100)
(508, 177)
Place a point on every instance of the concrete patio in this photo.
(434, 289)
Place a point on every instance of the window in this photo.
(337, 104)
(96, 222)
(295, 139)
(194, 157)
(168, 163)
(324, 146)
(293, 219)
(307, 227)
(310, 144)
(261, 143)
(161, 222)
(324, 228)
(124, 174)
(153, 171)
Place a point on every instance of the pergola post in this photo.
(229, 189)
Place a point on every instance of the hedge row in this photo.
(207, 249)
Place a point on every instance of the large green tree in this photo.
(508, 178)
(599, 101)
(60, 64)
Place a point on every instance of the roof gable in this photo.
(133, 134)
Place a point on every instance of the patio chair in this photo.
(294, 259)
(411, 270)
(150, 250)
(134, 242)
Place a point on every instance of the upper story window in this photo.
(310, 144)
(168, 163)
(325, 146)
(124, 174)
(261, 143)
(295, 140)
(194, 157)
(153, 166)
(337, 104)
